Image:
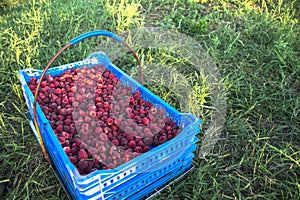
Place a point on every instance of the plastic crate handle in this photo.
(95, 33)
(73, 42)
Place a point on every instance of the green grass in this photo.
(255, 45)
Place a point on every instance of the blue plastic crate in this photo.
(135, 179)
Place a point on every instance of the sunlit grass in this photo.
(255, 45)
(124, 13)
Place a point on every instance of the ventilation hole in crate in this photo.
(137, 184)
(126, 191)
(159, 171)
(172, 149)
(150, 159)
(161, 154)
(124, 174)
(150, 177)
(105, 184)
(131, 188)
(131, 171)
(170, 166)
(137, 167)
(165, 168)
(143, 164)
(143, 181)
(181, 143)
(176, 146)
(118, 177)
(156, 157)
(114, 198)
(112, 180)
(174, 163)
(167, 151)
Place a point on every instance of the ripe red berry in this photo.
(168, 128)
(115, 80)
(123, 141)
(67, 150)
(153, 111)
(79, 98)
(67, 121)
(115, 142)
(87, 119)
(98, 92)
(109, 121)
(82, 154)
(77, 141)
(162, 139)
(155, 143)
(41, 95)
(32, 81)
(73, 89)
(59, 127)
(111, 76)
(168, 120)
(148, 141)
(98, 130)
(135, 154)
(106, 104)
(62, 140)
(65, 135)
(83, 164)
(127, 155)
(114, 127)
(89, 96)
(93, 151)
(57, 91)
(103, 157)
(146, 148)
(96, 158)
(115, 155)
(92, 113)
(128, 130)
(106, 130)
(73, 159)
(49, 78)
(83, 145)
(148, 134)
(103, 137)
(65, 101)
(170, 137)
(130, 137)
(132, 144)
(101, 149)
(146, 120)
(141, 143)
(106, 74)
